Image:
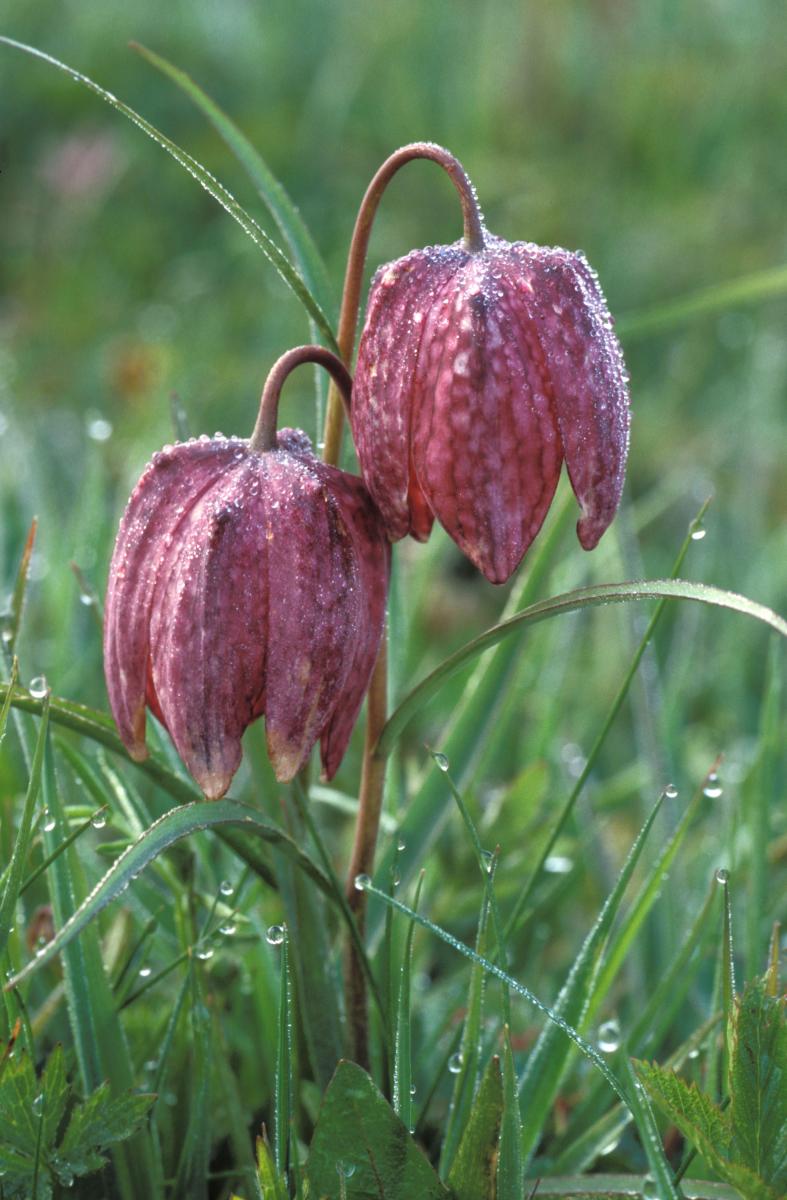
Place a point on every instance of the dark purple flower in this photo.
(478, 374)
(244, 583)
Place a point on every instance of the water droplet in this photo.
(413, 1089)
(649, 1189)
(401, 844)
(40, 951)
(38, 687)
(144, 972)
(228, 928)
(151, 1065)
(86, 599)
(609, 1037)
(204, 953)
(610, 1147)
(396, 878)
(7, 633)
(558, 864)
(275, 935)
(488, 859)
(713, 788)
(99, 820)
(38, 1102)
(698, 533)
(345, 1169)
(99, 430)
(441, 761)
(47, 821)
(694, 1053)
(670, 791)
(362, 882)
(226, 888)
(455, 1063)
(722, 875)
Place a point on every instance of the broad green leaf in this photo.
(163, 833)
(273, 253)
(749, 289)
(285, 214)
(758, 1084)
(359, 1136)
(599, 594)
(99, 1122)
(546, 1064)
(474, 1169)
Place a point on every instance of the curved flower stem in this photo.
(373, 770)
(353, 279)
(264, 434)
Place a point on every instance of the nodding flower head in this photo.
(248, 578)
(479, 371)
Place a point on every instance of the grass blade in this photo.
(599, 594)
(402, 1099)
(192, 1176)
(285, 214)
(163, 833)
(660, 1170)
(261, 239)
(13, 881)
(510, 1169)
(547, 1063)
(283, 1092)
(749, 289)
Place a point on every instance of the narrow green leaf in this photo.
(749, 289)
(360, 1143)
(283, 1088)
(510, 1169)
(466, 1078)
(660, 1170)
(616, 1187)
(546, 1064)
(16, 867)
(474, 1169)
(760, 800)
(11, 632)
(402, 1063)
(600, 594)
(758, 1084)
(273, 195)
(5, 706)
(163, 833)
(272, 252)
(192, 1176)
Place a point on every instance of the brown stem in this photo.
(353, 279)
(370, 799)
(264, 434)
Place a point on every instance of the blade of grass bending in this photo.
(163, 833)
(192, 1176)
(475, 713)
(660, 1170)
(519, 989)
(261, 239)
(589, 597)
(643, 903)
(601, 736)
(283, 1089)
(749, 289)
(13, 880)
(468, 1076)
(289, 221)
(402, 1098)
(99, 1040)
(546, 1065)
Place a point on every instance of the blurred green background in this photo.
(649, 134)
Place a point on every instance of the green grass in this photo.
(648, 134)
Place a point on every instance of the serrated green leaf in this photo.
(96, 1124)
(474, 1169)
(273, 253)
(359, 1134)
(758, 1084)
(18, 1118)
(54, 1086)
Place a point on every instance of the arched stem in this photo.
(264, 434)
(353, 279)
